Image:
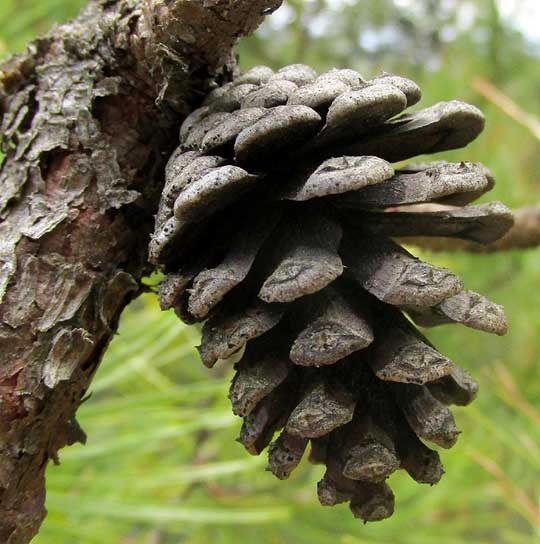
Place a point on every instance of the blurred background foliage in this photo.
(161, 465)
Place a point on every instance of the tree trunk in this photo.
(88, 117)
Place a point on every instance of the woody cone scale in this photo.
(279, 228)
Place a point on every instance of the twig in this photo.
(525, 502)
(508, 106)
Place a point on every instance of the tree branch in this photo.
(88, 117)
(508, 106)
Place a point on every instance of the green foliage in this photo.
(161, 464)
(21, 20)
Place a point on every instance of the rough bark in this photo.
(88, 116)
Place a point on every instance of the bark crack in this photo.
(88, 117)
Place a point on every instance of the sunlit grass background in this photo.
(162, 466)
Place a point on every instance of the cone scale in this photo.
(279, 228)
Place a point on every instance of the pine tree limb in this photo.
(88, 116)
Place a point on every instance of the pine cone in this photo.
(276, 227)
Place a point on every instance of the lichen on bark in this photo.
(88, 116)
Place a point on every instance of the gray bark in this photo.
(89, 115)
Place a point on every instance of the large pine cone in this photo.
(276, 226)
